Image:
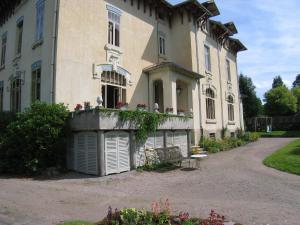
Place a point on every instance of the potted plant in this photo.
(141, 107)
(169, 110)
(78, 107)
(87, 106)
(122, 106)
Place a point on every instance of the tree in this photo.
(280, 102)
(251, 103)
(277, 82)
(296, 93)
(296, 83)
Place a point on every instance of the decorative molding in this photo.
(206, 86)
(114, 9)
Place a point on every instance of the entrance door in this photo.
(117, 156)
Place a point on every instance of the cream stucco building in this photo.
(134, 51)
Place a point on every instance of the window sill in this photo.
(209, 121)
(231, 123)
(162, 56)
(37, 43)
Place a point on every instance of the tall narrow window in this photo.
(162, 43)
(207, 58)
(230, 109)
(228, 70)
(40, 8)
(19, 36)
(36, 82)
(1, 95)
(210, 104)
(3, 50)
(15, 95)
(114, 20)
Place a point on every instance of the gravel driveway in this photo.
(235, 183)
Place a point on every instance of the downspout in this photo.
(198, 70)
(54, 50)
(221, 89)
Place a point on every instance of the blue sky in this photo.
(270, 29)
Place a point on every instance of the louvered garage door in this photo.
(170, 139)
(117, 156)
(86, 153)
(180, 140)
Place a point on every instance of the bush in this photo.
(5, 119)
(35, 140)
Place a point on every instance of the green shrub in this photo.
(210, 145)
(35, 140)
(250, 137)
(5, 119)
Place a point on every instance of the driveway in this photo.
(235, 183)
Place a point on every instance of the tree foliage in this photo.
(296, 83)
(251, 103)
(35, 140)
(280, 102)
(277, 82)
(296, 93)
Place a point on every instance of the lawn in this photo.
(286, 159)
(76, 222)
(280, 134)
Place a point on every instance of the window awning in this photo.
(100, 68)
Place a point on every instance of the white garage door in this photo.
(117, 156)
(86, 153)
(180, 140)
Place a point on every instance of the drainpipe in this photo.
(54, 50)
(221, 89)
(198, 68)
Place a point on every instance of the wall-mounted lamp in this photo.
(178, 90)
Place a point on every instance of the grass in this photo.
(293, 133)
(286, 159)
(76, 222)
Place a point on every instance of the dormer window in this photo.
(114, 20)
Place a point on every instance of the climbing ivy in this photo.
(145, 122)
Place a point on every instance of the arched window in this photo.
(230, 108)
(210, 104)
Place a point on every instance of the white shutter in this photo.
(92, 153)
(111, 157)
(170, 140)
(81, 161)
(123, 150)
(159, 140)
(180, 140)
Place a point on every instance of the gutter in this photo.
(54, 50)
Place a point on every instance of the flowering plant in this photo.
(78, 107)
(169, 109)
(87, 105)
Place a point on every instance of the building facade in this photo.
(129, 51)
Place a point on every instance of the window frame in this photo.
(230, 106)
(114, 79)
(36, 81)
(207, 58)
(3, 50)
(114, 26)
(228, 70)
(210, 104)
(162, 44)
(40, 12)
(16, 94)
(19, 36)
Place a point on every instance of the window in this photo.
(113, 89)
(40, 8)
(162, 44)
(1, 95)
(36, 82)
(114, 28)
(207, 58)
(230, 109)
(15, 95)
(3, 50)
(228, 70)
(19, 36)
(232, 135)
(210, 104)
(212, 135)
